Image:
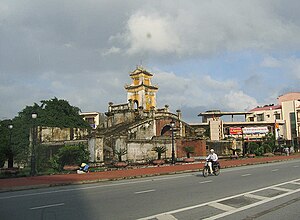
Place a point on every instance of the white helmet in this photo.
(212, 150)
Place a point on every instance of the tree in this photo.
(59, 113)
(120, 153)
(160, 150)
(70, 155)
(189, 150)
(8, 149)
(269, 142)
(51, 113)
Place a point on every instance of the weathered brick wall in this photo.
(198, 144)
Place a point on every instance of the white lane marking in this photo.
(282, 189)
(47, 206)
(255, 196)
(296, 183)
(92, 187)
(223, 207)
(274, 170)
(208, 181)
(248, 174)
(251, 205)
(230, 197)
(166, 217)
(296, 166)
(146, 191)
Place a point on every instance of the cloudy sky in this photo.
(230, 55)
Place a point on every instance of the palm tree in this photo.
(189, 150)
(160, 150)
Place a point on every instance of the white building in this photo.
(283, 120)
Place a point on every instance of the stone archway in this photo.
(165, 130)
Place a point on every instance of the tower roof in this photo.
(140, 70)
(140, 85)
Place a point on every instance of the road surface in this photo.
(268, 191)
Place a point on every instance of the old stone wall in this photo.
(198, 144)
(143, 151)
(55, 134)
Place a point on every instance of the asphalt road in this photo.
(268, 191)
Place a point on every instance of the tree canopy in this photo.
(51, 113)
(55, 113)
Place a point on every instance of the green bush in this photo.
(55, 164)
(256, 149)
(72, 155)
(69, 155)
(267, 148)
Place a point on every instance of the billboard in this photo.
(235, 130)
(256, 130)
(248, 130)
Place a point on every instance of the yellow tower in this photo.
(141, 92)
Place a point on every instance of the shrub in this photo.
(54, 163)
(256, 149)
(267, 148)
(71, 155)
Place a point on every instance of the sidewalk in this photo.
(12, 184)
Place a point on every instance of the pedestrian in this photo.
(287, 152)
(84, 168)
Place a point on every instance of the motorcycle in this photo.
(215, 166)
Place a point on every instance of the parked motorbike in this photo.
(215, 166)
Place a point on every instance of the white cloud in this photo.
(290, 66)
(238, 101)
(208, 27)
(270, 62)
(152, 33)
(201, 90)
(293, 66)
(111, 51)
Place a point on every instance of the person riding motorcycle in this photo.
(211, 159)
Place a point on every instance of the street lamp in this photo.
(172, 124)
(243, 142)
(33, 139)
(10, 157)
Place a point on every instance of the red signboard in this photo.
(236, 130)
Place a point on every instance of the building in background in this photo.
(282, 120)
(285, 115)
(93, 118)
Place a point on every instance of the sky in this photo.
(230, 55)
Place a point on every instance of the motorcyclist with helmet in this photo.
(212, 158)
